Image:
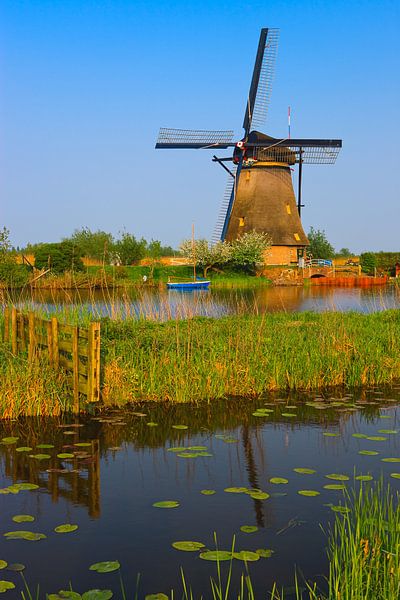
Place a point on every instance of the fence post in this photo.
(21, 328)
(31, 336)
(50, 343)
(14, 338)
(75, 369)
(6, 324)
(93, 376)
(56, 355)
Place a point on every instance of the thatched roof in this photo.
(265, 201)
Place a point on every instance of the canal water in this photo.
(163, 304)
(217, 463)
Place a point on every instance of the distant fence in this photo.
(74, 349)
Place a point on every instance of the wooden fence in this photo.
(74, 349)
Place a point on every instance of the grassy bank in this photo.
(202, 358)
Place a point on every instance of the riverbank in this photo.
(202, 359)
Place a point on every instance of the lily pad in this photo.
(259, 495)
(259, 414)
(264, 552)
(25, 486)
(23, 449)
(6, 585)
(9, 440)
(246, 555)
(64, 595)
(16, 567)
(65, 455)
(278, 480)
(97, 595)
(335, 486)
(368, 452)
(248, 528)
(376, 438)
(179, 427)
(177, 449)
(3, 564)
(230, 440)
(361, 436)
(197, 448)
(388, 431)
(216, 555)
(66, 528)
(395, 475)
(24, 535)
(391, 460)
(236, 490)
(45, 446)
(188, 546)
(40, 456)
(105, 567)
(23, 518)
(166, 504)
(208, 492)
(364, 477)
(83, 444)
(152, 424)
(288, 415)
(337, 477)
(344, 510)
(308, 493)
(304, 471)
(159, 596)
(330, 434)
(188, 454)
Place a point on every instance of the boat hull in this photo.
(188, 285)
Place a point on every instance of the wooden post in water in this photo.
(31, 336)
(93, 375)
(6, 324)
(14, 338)
(56, 354)
(49, 330)
(21, 328)
(75, 368)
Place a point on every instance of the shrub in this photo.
(368, 262)
(60, 257)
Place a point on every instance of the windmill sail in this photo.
(194, 138)
(225, 208)
(261, 82)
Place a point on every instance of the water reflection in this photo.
(162, 304)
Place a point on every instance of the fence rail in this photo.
(74, 349)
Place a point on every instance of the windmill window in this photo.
(241, 221)
(296, 237)
(289, 212)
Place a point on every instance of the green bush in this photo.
(14, 275)
(368, 262)
(60, 257)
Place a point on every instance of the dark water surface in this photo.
(163, 304)
(108, 489)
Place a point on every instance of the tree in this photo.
(344, 253)
(128, 249)
(11, 273)
(206, 255)
(319, 246)
(248, 251)
(59, 257)
(94, 244)
(368, 262)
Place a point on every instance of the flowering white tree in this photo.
(248, 251)
(206, 255)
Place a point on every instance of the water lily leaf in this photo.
(97, 595)
(344, 510)
(9, 440)
(24, 535)
(329, 434)
(265, 552)
(246, 555)
(216, 555)
(368, 452)
(278, 480)
(390, 460)
(105, 567)
(83, 444)
(25, 486)
(388, 431)
(395, 475)
(376, 438)
(335, 486)
(259, 414)
(207, 492)
(288, 415)
(40, 456)
(65, 455)
(337, 477)
(152, 424)
(364, 477)
(188, 454)
(236, 490)
(16, 567)
(197, 448)
(230, 440)
(66, 528)
(308, 493)
(188, 546)
(361, 436)
(6, 585)
(176, 449)
(166, 504)
(304, 471)
(259, 495)
(248, 528)
(23, 518)
(3, 564)
(23, 449)
(65, 594)
(159, 596)
(45, 446)
(179, 427)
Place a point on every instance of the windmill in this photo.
(259, 194)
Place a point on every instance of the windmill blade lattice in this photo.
(194, 138)
(226, 200)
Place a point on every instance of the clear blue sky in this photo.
(87, 83)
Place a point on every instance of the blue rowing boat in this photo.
(197, 284)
